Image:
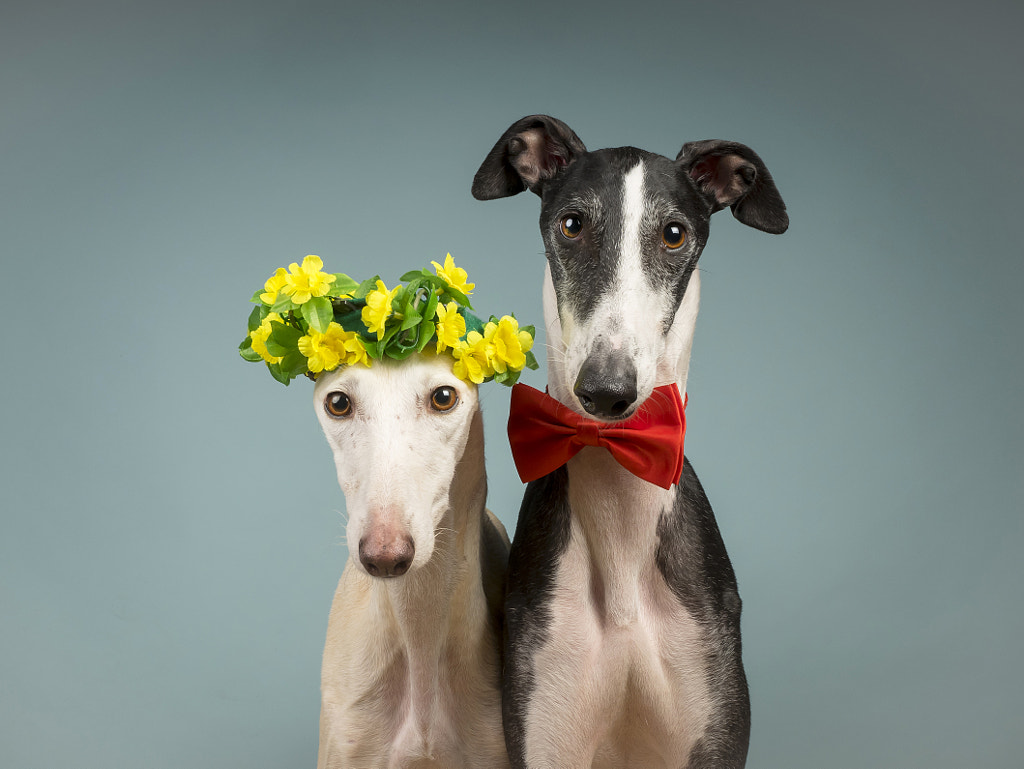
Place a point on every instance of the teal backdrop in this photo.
(171, 524)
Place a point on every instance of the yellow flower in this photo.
(450, 326)
(305, 282)
(509, 344)
(274, 284)
(472, 359)
(378, 308)
(355, 350)
(259, 338)
(454, 276)
(326, 351)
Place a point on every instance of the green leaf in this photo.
(415, 274)
(373, 347)
(429, 326)
(401, 299)
(427, 330)
(250, 355)
(436, 282)
(318, 313)
(430, 311)
(283, 304)
(390, 330)
(343, 284)
(368, 285)
(283, 339)
(256, 317)
(531, 361)
(450, 293)
(278, 374)
(411, 320)
(294, 364)
(256, 297)
(400, 352)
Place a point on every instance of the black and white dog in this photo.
(622, 613)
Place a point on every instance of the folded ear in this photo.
(731, 174)
(529, 153)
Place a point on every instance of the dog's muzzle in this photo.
(606, 385)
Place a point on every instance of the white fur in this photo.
(410, 669)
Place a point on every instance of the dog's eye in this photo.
(444, 398)
(338, 405)
(674, 235)
(572, 226)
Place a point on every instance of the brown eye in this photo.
(674, 235)
(338, 405)
(571, 226)
(444, 398)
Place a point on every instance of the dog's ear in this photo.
(529, 153)
(731, 174)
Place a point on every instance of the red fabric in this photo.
(545, 434)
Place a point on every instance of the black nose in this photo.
(607, 387)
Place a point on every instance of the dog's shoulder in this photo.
(691, 554)
(494, 547)
(542, 533)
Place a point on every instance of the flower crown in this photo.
(307, 321)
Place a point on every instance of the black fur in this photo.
(542, 533)
(691, 557)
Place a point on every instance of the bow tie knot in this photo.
(544, 435)
(588, 432)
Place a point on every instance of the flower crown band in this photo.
(307, 321)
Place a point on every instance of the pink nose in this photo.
(385, 553)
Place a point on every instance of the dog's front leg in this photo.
(550, 684)
(554, 725)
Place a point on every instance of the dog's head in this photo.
(398, 432)
(623, 230)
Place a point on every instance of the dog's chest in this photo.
(634, 653)
(453, 721)
(389, 703)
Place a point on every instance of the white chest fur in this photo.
(420, 692)
(622, 653)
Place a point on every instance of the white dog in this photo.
(411, 667)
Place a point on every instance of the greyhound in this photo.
(411, 667)
(622, 626)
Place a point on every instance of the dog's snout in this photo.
(607, 388)
(386, 554)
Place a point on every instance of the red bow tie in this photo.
(544, 435)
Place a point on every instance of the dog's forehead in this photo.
(595, 175)
(600, 176)
(626, 197)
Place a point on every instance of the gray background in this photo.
(171, 528)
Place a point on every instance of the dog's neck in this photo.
(615, 512)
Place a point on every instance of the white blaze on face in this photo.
(630, 312)
(395, 454)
